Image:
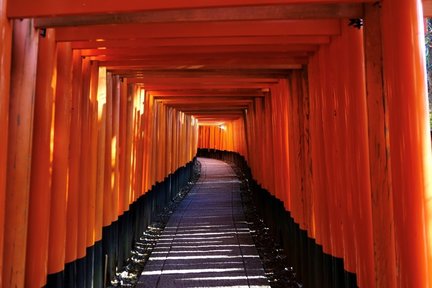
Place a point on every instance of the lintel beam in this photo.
(187, 50)
(203, 41)
(175, 86)
(47, 8)
(209, 92)
(208, 63)
(190, 30)
(254, 13)
(208, 81)
(136, 65)
(221, 73)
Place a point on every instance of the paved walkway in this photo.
(206, 242)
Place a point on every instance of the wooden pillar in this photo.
(347, 157)
(40, 186)
(108, 180)
(268, 142)
(175, 139)
(109, 214)
(333, 144)
(379, 156)
(360, 219)
(124, 192)
(5, 59)
(169, 148)
(140, 132)
(100, 181)
(92, 158)
(324, 157)
(74, 162)
(127, 95)
(60, 166)
(115, 145)
(276, 99)
(294, 150)
(84, 163)
(410, 150)
(22, 93)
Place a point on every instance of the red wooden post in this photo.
(74, 187)
(40, 186)
(108, 177)
(60, 168)
(22, 93)
(410, 150)
(5, 59)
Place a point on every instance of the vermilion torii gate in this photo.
(100, 101)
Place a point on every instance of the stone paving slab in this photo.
(207, 242)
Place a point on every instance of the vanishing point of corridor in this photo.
(207, 242)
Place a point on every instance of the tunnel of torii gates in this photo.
(325, 99)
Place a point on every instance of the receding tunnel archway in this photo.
(103, 107)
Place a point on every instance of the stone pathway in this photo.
(206, 242)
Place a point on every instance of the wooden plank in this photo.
(206, 102)
(204, 99)
(207, 92)
(195, 63)
(209, 81)
(208, 107)
(261, 12)
(187, 50)
(28, 8)
(210, 58)
(206, 86)
(294, 64)
(324, 27)
(134, 66)
(197, 74)
(202, 41)
(210, 120)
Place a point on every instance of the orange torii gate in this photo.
(101, 104)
